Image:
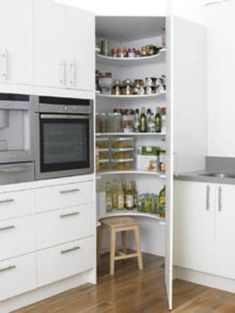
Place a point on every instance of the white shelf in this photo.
(130, 134)
(132, 213)
(157, 58)
(132, 172)
(100, 95)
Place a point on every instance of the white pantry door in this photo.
(187, 113)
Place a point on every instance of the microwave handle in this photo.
(64, 116)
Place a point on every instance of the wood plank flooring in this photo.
(133, 291)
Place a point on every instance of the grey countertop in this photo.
(201, 176)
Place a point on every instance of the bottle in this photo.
(121, 197)
(137, 121)
(129, 196)
(143, 121)
(149, 120)
(135, 194)
(108, 197)
(158, 121)
(162, 202)
(115, 195)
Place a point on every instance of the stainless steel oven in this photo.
(64, 137)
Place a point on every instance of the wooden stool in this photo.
(115, 225)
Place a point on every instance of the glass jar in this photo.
(117, 88)
(104, 165)
(128, 121)
(105, 82)
(127, 87)
(105, 47)
(102, 143)
(114, 122)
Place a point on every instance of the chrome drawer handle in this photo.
(208, 198)
(69, 191)
(70, 250)
(11, 267)
(220, 199)
(7, 227)
(69, 214)
(6, 201)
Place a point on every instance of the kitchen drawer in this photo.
(14, 204)
(17, 236)
(65, 260)
(60, 226)
(17, 275)
(63, 196)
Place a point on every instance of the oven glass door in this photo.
(64, 142)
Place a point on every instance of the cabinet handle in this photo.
(5, 64)
(69, 191)
(62, 73)
(69, 214)
(8, 268)
(220, 199)
(207, 197)
(6, 201)
(7, 227)
(70, 250)
(73, 74)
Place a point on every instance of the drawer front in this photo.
(17, 275)
(65, 260)
(60, 226)
(63, 196)
(17, 236)
(14, 204)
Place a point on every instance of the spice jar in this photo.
(116, 88)
(143, 51)
(127, 87)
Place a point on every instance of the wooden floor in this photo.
(133, 291)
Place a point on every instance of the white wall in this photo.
(221, 89)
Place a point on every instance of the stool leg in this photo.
(112, 250)
(99, 243)
(138, 248)
(124, 241)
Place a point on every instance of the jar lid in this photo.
(122, 139)
(122, 160)
(122, 149)
(104, 161)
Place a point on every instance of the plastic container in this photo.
(122, 165)
(114, 123)
(122, 142)
(102, 143)
(103, 165)
(122, 153)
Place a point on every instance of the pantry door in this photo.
(187, 140)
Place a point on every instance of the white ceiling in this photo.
(124, 28)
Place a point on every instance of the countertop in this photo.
(200, 176)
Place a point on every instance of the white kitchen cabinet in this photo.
(80, 47)
(194, 226)
(225, 231)
(64, 41)
(204, 227)
(16, 41)
(17, 275)
(49, 45)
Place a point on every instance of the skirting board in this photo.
(48, 291)
(208, 280)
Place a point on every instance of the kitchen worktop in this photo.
(201, 176)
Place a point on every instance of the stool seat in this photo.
(122, 225)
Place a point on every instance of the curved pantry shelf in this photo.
(103, 96)
(133, 172)
(130, 134)
(134, 213)
(157, 58)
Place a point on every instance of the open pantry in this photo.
(131, 123)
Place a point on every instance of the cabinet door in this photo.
(225, 231)
(80, 47)
(49, 43)
(194, 226)
(16, 41)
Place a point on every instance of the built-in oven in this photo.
(64, 137)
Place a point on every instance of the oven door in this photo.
(65, 145)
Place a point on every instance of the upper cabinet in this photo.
(16, 41)
(64, 43)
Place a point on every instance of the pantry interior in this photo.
(117, 167)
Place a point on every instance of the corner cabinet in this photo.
(64, 43)
(16, 48)
(204, 228)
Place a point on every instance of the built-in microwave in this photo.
(64, 137)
